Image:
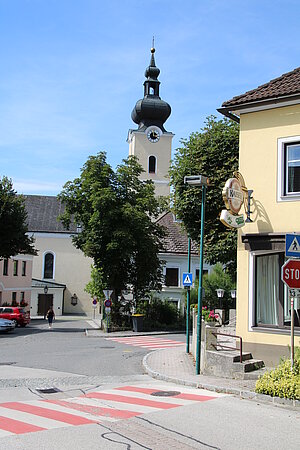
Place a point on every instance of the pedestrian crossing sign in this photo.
(292, 245)
(187, 279)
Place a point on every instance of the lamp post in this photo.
(199, 180)
(220, 294)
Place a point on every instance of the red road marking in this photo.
(17, 427)
(195, 397)
(96, 410)
(71, 419)
(131, 400)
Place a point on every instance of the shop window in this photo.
(171, 276)
(272, 305)
(5, 267)
(49, 266)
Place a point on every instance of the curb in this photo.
(244, 394)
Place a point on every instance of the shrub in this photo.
(160, 314)
(281, 382)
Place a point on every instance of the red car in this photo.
(15, 313)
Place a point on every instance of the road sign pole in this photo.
(292, 294)
(188, 302)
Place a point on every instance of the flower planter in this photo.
(137, 322)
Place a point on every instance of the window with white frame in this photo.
(172, 276)
(289, 168)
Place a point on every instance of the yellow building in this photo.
(269, 161)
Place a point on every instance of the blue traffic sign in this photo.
(292, 245)
(187, 279)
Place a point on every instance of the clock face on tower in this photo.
(153, 134)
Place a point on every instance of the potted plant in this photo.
(209, 316)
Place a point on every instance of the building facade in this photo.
(59, 267)
(269, 161)
(15, 280)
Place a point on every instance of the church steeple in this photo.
(151, 110)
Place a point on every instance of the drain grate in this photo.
(7, 363)
(165, 393)
(48, 390)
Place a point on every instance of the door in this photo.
(44, 303)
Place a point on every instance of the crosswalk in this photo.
(148, 342)
(100, 406)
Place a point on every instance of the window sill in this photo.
(270, 330)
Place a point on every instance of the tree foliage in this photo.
(13, 222)
(212, 152)
(116, 211)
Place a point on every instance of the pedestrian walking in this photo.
(50, 316)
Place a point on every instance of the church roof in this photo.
(151, 109)
(176, 240)
(287, 86)
(42, 214)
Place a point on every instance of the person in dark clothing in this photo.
(50, 316)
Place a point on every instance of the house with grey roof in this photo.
(60, 271)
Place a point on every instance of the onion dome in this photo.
(151, 110)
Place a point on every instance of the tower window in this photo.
(152, 164)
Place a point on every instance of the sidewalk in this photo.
(177, 366)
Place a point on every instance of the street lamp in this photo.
(233, 293)
(220, 294)
(203, 181)
(74, 300)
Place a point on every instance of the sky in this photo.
(72, 71)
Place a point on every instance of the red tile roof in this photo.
(176, 240)
(287, 85)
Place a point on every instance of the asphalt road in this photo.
(66, 348)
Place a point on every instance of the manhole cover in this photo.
(48, 390)
(106, 347)
(165, 393)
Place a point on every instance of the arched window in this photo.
(152, 164)
(49, 265)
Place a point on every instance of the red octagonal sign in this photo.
(290, 273)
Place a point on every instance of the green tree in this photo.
(116, 211)
(212, 152)
(13, 222)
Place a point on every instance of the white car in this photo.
(7, 325)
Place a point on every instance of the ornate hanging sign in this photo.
(235, 195)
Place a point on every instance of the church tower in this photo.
(151, 143)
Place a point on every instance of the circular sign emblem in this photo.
(107, 303)
(233, 195)
(94, 302)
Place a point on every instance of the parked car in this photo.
(7, 325)
(16, 314)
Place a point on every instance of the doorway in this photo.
(44, 303)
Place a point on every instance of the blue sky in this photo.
(72, 70)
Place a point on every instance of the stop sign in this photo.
(290, 273)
